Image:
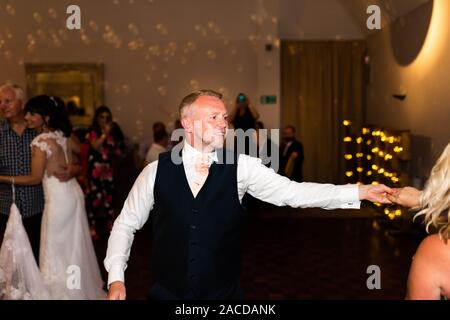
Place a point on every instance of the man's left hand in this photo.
(67, 172)
(375, 193)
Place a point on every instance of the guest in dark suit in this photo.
(291, 155)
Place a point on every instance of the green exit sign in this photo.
(268, 99)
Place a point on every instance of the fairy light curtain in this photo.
(376, 155)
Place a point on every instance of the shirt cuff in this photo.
(349, 197)
(116, 273)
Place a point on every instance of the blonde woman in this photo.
(429, 276)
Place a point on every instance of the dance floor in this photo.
(305, 254)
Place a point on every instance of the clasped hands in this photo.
(407, 197)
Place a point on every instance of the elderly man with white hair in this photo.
(15, 159)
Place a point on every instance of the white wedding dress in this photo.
(20, 278)
(67, 259)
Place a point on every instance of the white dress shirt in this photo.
(252, 177)
(286, 147)
(153, 152)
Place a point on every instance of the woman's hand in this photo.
(408, 197)
(107, 128)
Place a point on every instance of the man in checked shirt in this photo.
(15, 160)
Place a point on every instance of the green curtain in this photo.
(322, 84)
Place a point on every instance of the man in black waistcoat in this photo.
(194, 194)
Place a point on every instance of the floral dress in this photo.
(100, 179)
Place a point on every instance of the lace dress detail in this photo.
(54, 144)
(20, 278)
(43, 146)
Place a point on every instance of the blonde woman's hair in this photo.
(435, 199)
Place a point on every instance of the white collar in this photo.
(157, 145)
(190, 152)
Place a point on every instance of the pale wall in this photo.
(144, 86)
(425, 81)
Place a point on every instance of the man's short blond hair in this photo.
(18, 91)
(192, 97)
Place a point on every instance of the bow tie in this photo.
(202, 163)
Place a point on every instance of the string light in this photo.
(374, 146)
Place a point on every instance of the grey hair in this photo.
(192, 97)
(18, 91)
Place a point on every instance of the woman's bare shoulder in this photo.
(434, 250)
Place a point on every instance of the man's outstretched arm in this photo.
(263, 183)
(134, 214)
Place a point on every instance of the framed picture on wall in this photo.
(80, 85)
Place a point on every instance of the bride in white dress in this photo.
(67, 258)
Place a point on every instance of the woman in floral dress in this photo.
(106, 140)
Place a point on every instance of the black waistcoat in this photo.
(196, 241)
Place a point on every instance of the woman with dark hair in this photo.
(244, 115)
(106, 141)
(65, 238)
